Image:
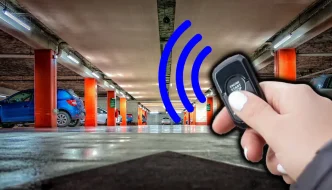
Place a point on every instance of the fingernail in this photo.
(246, 152)
(281, 169)
(237, 100)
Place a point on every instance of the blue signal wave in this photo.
(180, 68)
(163, 66)
(195, 73)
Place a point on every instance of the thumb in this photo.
(255, 112)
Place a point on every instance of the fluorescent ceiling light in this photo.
(178, 111)
(2, 96)
(10, 15)
(193, 89)
(111, 86)
(94, 74)
(73, 59)
(128, 97)
(285, 39)
(106, 84)
(87, 73)
(154, 112)
(120, 75)
(108, 74)
(122, 93)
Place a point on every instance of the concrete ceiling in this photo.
(121, 38)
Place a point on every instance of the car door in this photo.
(102, 116)
(19, 108)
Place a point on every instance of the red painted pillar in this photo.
(184, 118)
(285, 64)
(123, 111)
(139, 116)
(209, 110)
(90, 99)
(111, 104)
(45, 94)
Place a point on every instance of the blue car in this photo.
(19, 109)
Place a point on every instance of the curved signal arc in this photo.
(163, 66)
(180, 70)
(195, 73)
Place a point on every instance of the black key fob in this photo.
(233, 74)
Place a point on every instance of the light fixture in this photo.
(120, 75)
(154, 112)
(285, 39)
(108, 74)
(122, 93)
(178, 111)
(128, 97)
(111, 86)
(117, 91)
(2, 96)
(87, 73)
(73, 59)
(10, 15)
(95, 74)
(106, 84)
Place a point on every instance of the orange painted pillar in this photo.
(285, 64)
(123, 111)
(194, 116)
(139, 116)
(184, 118)
(90, 99)
(45, 94)
(111, 104)
(188, 118)
(209, 110)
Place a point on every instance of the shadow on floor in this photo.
(167, 170)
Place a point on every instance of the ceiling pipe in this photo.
(320, 20)
(16, 56)
(314, 54)
(315, 73)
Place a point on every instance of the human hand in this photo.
(295, 123)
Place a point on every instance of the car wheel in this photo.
(7, 125)
(106, 122)
(74, 123)
(63, 119)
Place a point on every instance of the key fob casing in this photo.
(236, 73)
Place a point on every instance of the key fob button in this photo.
(235, 83)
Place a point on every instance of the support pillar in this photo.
(139, 116)
(188, 118)
(184, 118)
(90, 99)
(194, 116)
(146, 116)
(285, 64)
(45, 92)
(209, 110)
(123, 111)
(111, 104)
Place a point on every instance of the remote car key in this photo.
(233, 74)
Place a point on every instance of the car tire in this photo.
(63, 119)
(74, 123)
(106, 122)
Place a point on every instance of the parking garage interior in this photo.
(108, 54)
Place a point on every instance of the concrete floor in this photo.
(28, 155)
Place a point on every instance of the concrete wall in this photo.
(6, 92)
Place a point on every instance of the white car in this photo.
(165, 121)
(101, 117)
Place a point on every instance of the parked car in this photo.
(144, 120)
(323, 84)
(119, 119)
(19, 109)
(165, 121)
(129, 118)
